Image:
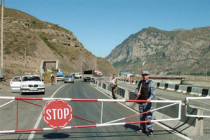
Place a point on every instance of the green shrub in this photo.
(51, 45)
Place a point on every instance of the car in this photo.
(28, 84)
(78, 76)
(59, 78)
(69, 79)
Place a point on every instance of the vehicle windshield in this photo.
(88, 72)
(67, 76)
(31, 78)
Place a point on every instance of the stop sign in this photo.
(57, 114)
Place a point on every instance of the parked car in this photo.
(69, 79)
(15, 83)
(28, 84)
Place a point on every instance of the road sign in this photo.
(57, 114)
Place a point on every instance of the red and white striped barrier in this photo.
(101, 124)
(89, 100)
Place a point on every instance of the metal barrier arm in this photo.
(90, 100)
(178, 118)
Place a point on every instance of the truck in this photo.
(88, 75)
(98, 73)
(59, 76)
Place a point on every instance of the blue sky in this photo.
(101, 25)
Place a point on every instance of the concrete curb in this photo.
(179, 88)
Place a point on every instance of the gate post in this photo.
(199, 124)
(127, 93)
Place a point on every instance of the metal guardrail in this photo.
(200, 115)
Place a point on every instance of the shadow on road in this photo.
(133, 127)
(56, 135)
(156, 132)
(114, 134)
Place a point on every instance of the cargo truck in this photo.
(88, 75)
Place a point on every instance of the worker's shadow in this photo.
(156, 132)
(132, 127)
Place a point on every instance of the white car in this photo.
(59, 78)
(28, 84)
(78, 76)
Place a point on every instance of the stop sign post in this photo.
(57, 114)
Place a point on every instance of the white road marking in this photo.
(161, 125)
(7, 103)
(31, 136)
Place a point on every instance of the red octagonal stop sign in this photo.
(57, 114)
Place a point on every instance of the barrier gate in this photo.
(197, 107)
(68, 114)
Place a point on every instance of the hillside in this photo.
(164, 52)
(25, 34)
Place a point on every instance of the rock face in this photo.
(164, 52)
(28, 41)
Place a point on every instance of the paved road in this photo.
(29, 116)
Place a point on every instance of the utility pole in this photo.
(142, 69)
(2, 31)
(25, 59)
(206, 71)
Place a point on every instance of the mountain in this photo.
(28, 39)
(164, 52)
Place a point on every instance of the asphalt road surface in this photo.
(29, 116)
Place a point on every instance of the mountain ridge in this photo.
(165, 52)
(28, 39)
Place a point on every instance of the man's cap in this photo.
(145, 72)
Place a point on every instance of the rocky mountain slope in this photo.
(164, 52)
(28, 41)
